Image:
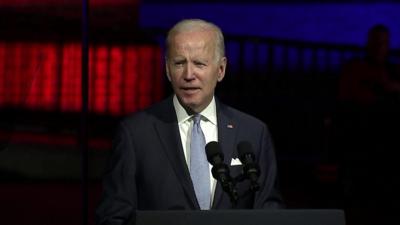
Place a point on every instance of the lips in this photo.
(190, 90)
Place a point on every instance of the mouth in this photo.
(190, 90)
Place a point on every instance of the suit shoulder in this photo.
(161, 111)
(134, 118)
(244, 117)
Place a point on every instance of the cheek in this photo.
(174, 75)
(174, 82)
(212, 82)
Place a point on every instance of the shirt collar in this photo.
(209, 112)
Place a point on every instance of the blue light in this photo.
(315, 22)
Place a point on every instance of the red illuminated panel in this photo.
(50, 78)
(115, 81)
(92, 77)
(71, 78)
(40, 76)
(14, 75)
(130, 80)
(33, 74)
(145, 76)
(101, 72)
(158, 74)
(47, 76)
(12, 62)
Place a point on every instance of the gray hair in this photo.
(187, 25)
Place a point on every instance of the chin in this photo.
(193, 105)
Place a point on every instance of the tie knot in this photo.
(196, 119)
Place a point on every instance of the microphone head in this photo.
(245, 148)
(213, 151)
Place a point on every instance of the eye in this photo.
(199, 64)
(179, 62)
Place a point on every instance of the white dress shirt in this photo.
(209, 126)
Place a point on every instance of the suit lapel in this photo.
(168, 132)
(226, 137)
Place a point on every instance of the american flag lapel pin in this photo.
(230, 126)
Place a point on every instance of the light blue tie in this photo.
(199, 170)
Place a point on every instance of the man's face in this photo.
(193, 68)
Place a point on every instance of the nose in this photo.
(189, 73)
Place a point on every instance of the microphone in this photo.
(251, 169)
(220, 170)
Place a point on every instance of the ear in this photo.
(221, 68)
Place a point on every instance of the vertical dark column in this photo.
(328, 61)
(240, 87)
(285, 60)
(300, 60)
(256, 58)
(270, 58)
(314, 61)
(83, 131)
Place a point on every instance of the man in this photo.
(366, 129)
(152, 164)
(364, 82)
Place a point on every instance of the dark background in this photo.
(284, 61)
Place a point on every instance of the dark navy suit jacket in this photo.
(148, 171)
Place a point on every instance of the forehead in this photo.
(192, 40)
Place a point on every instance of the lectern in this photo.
(241, 217)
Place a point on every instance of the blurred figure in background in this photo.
(368, 81)
(367, 130)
